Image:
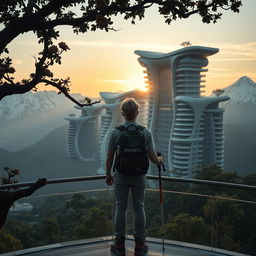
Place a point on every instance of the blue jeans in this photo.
(122, 186)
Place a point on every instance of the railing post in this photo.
(212, 226)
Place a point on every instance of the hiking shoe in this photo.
(140, 248)
(118, 246)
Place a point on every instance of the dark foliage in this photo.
(43, 18)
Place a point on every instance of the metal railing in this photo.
(150, 177)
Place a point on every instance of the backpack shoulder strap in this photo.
(140, 127)
(121, 128)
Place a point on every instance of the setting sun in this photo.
(137, 82)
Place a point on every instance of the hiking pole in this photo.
(161, 197)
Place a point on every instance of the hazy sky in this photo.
(100, 61)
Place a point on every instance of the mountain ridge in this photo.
(20, 106)
(241, 91)
(27, 118)
(239, 126)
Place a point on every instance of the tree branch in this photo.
(186, 15)
(64, 90)
(40, 64)
(9, 89)
(7, 78)
(18, 88)
(93, 14)
(37, 20)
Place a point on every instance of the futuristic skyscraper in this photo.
(187, 127)
(83, 132)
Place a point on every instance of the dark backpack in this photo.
(131, 154)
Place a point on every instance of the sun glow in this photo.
(137, 83)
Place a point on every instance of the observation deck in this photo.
(100, 245)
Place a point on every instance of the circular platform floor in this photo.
(101, 247)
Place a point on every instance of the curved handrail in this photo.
(205, 182)
(151, 177)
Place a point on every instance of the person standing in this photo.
(132, 146)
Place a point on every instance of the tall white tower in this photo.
(187, 128)
(83, 132)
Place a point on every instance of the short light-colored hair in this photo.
(129, 107)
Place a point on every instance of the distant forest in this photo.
(187, 217)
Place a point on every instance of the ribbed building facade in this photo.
(83, 133)
(187, 127)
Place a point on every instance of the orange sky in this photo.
(100, 61)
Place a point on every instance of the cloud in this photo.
(219, 75)
(17, 61)
(135, 82)
(228, 51)
(230, 75)
(116, 81)
(116, 44)
(244, 49)
(235, 59)
(237, 52)
(220, 69)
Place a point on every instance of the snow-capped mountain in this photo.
(242, 91)
(27, 118)
(24, 105)
(240, 126)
